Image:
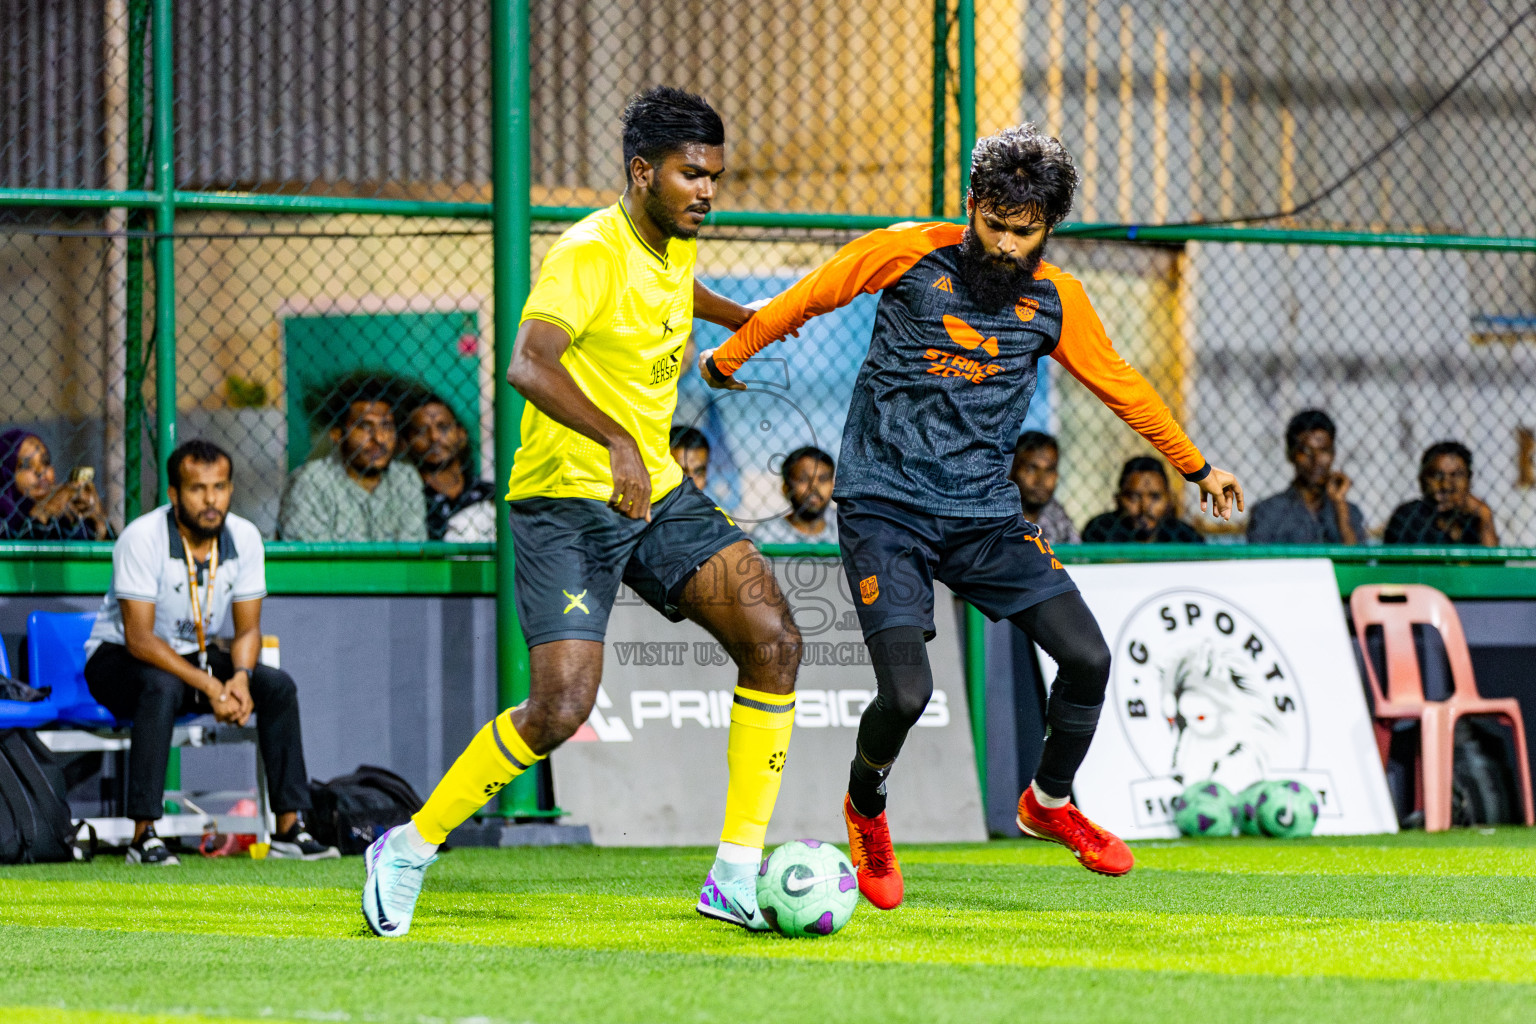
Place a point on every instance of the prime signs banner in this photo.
(648, 768)
(1234, 671)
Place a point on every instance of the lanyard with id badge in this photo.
(197, 603)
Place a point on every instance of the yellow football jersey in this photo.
(629, 313)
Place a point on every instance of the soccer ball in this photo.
(1248, 809)
(1206, 809)
(1286, 810)
(807, 887)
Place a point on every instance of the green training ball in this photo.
(1206, 809)
(1248, 809)
(1286, 810)
(807, 887)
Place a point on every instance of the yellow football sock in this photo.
(759, 742)
(495, 757)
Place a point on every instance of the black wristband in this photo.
(709, 363)
(1199, 474)
(247, 671)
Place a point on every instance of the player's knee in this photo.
(1086, 670)
(273, 688)
(550, 723)
(911, 697)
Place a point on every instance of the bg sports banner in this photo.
(648, 769)
(1234, 671)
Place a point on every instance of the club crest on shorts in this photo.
(869, 589)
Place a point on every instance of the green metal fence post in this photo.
(513, 270)
(967, 101)
(976, 691)
(940, 104)
(164, 135)
(133, 285)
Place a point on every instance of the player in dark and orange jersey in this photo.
(965, 315)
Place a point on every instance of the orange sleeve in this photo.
(863, 266)
(1087, 353)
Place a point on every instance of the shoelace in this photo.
(1087, 834)
(877, 855)
(407, 886)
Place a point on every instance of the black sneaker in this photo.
(298, 844)
(151, 850)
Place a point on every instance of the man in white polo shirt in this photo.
(179, 574)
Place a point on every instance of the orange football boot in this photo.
(1095, 848)
(874, 860)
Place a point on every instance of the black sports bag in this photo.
(34, 819)
(351, 811)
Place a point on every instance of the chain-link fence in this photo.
(1376, 120)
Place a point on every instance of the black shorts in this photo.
(892, 554)
(572, 554)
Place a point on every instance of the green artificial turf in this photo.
(1405, 928)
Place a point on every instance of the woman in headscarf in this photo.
(32, 507)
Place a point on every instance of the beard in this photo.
(994, 281)
(196, 529)
(662, 217)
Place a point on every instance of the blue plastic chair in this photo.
(56, 658)
(20, 714)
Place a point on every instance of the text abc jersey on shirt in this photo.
(629, 312)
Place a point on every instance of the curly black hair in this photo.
(1022, 169)
(663, 119)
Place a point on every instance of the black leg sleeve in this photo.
(1067, 631)
(281, 739)
(903, 682)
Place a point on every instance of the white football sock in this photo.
(1050, 803)
(415, 842)
(741, 859)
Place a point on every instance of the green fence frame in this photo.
(485, 569)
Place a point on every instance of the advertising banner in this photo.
(649, 769)
(1234, 671)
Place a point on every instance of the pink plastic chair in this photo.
(1397, 610)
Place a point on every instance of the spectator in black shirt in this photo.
(1448, 514)
(1143, 510)
(459, 508)
(1315, 508)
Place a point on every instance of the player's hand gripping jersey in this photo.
(940, 399)
(629, 313)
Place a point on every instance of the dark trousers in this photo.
(153, 699)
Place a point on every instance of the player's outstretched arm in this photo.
(717, 309)
(538, 375)
(1224, 492)
(865, 265)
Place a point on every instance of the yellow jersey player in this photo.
(597, 500)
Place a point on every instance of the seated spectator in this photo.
(1143, 510)
(809, 475)
(459, 508)
(32, 507)
(1315, 509)
(1448, 514)
(356, 493)
(1034, 474)
(690, 448)
(179, 574)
